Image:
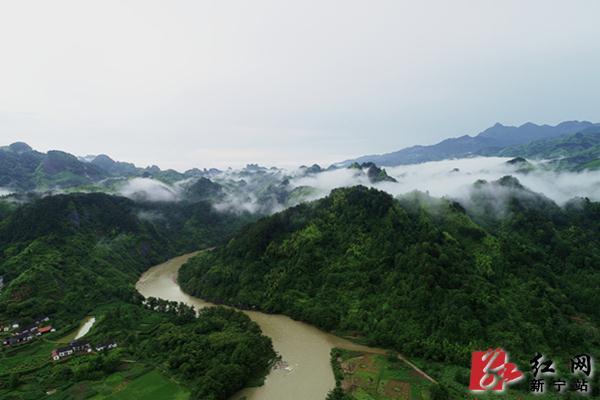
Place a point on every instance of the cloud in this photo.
(253, 189)
(262, 190)
(454, 178)
(239, 204)
(225, 83)
(146, 189)
(150, 216)
(5, 192)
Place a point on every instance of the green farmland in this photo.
(366, 376)
(149, 386)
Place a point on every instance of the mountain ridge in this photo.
(493, 138)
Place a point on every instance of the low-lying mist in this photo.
(454, 178)
(265, 191)
(146, 189)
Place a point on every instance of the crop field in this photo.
(151, 385)
(26, 357)
(138, 382)
(376, 377)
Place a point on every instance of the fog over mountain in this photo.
(454, 178)
(147, 189)
(309, 200)
(560, 162)
(270, 190)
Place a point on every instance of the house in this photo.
(27, 330)
(72, 348)
(41, 320)
(106, 346)
(45, 329)
(62, 352)
(18, 339)
(24, 337)
(81, 346)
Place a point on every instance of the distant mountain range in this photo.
(492, 141)
(571, 146)
(575, 152)
(23, 168)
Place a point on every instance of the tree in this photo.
(440, 392)
(14, 381)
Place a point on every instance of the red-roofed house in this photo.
(44, 329)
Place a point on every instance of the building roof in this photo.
(106, 344)
(29, 328)
(63, 349)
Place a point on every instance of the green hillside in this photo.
(421, 275)
(69, 256)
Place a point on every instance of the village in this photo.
(16, 335)
(19, 335)
(81, 347)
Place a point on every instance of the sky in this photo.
(185, 84)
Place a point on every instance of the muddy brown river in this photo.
(304, 374)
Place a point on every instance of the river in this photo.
(306, 373)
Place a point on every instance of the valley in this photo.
(328, 200)
(423, 259)
(304, 371)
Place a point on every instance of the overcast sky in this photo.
(218, 83)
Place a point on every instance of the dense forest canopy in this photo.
(432, 278)
(68, 256)
(429, 277)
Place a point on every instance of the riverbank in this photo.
(305, 371)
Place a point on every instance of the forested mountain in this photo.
(490, 141)
(373, 172)
(84, 241)
(260, 190)
(430, 277)
(115, 168)
(25, 169)
(68, 256)
(577, 152)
